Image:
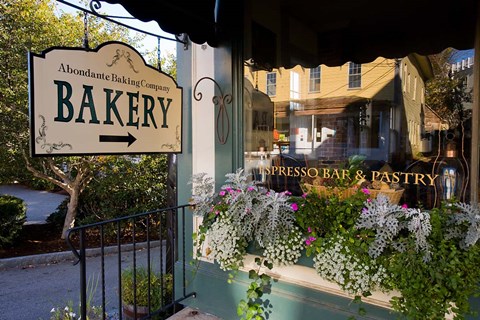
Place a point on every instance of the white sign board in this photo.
(102, 101)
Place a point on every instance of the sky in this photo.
(463, 54)
(149, 43)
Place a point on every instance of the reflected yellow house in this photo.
(326, 114)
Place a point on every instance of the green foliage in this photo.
(157, 283)
(40, 184)
(446, 96)
(125, 185)
(254, 307)
(168, 63)
(430, 258)
(445, 93)
(344, 259)
(240, 213)
(68, 312)
(445, 284)
(323, 217)
(33, 26)
(57, 218)
(12, 216)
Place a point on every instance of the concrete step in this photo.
(192, 314)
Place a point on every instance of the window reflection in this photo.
(395, 118)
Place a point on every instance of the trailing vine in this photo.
(362, 243)
(254, 307)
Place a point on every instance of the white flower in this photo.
(285, 251)
(248, 214)
(225, 245)
(334, 263)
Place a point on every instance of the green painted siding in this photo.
(214, 294)
(288, 301)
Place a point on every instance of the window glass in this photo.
(354, 75)
(314, 84)
(271, 83)
(408, 139)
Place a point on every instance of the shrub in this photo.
(125, 185)
(12, 216)
(160, 285)
(57, 218)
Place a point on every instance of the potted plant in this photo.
(242, 214)
(136, 284)
(426, 259)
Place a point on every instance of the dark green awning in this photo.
(313, 32)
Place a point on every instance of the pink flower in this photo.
(309, 229)
(366, 191)
(369, 200)
(404, 206)
(217, 212)
(294, 206)
(251, 188)
(222, 193)
(310, 240)
(287, 193)
(304, 195)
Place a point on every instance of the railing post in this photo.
(83, 276)
(178, 242)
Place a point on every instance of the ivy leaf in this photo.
(265, 279)
(242, 306)
(252, 274)
(268, 264)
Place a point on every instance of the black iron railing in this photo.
(146, 241)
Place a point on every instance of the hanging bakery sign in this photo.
(102, 101)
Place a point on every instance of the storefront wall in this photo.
(381, 114)
(300, 294)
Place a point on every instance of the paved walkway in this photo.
(31, 286)
(192, 314)
(40, 204)
(29, 289)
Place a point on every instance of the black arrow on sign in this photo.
(130, 139)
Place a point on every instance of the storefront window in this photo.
(314, 85)
(354, 75)
(271, 83)
(300, 129)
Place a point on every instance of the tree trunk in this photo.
(71, 212)
(73, 185)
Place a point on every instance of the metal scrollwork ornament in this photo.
(223, 119)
